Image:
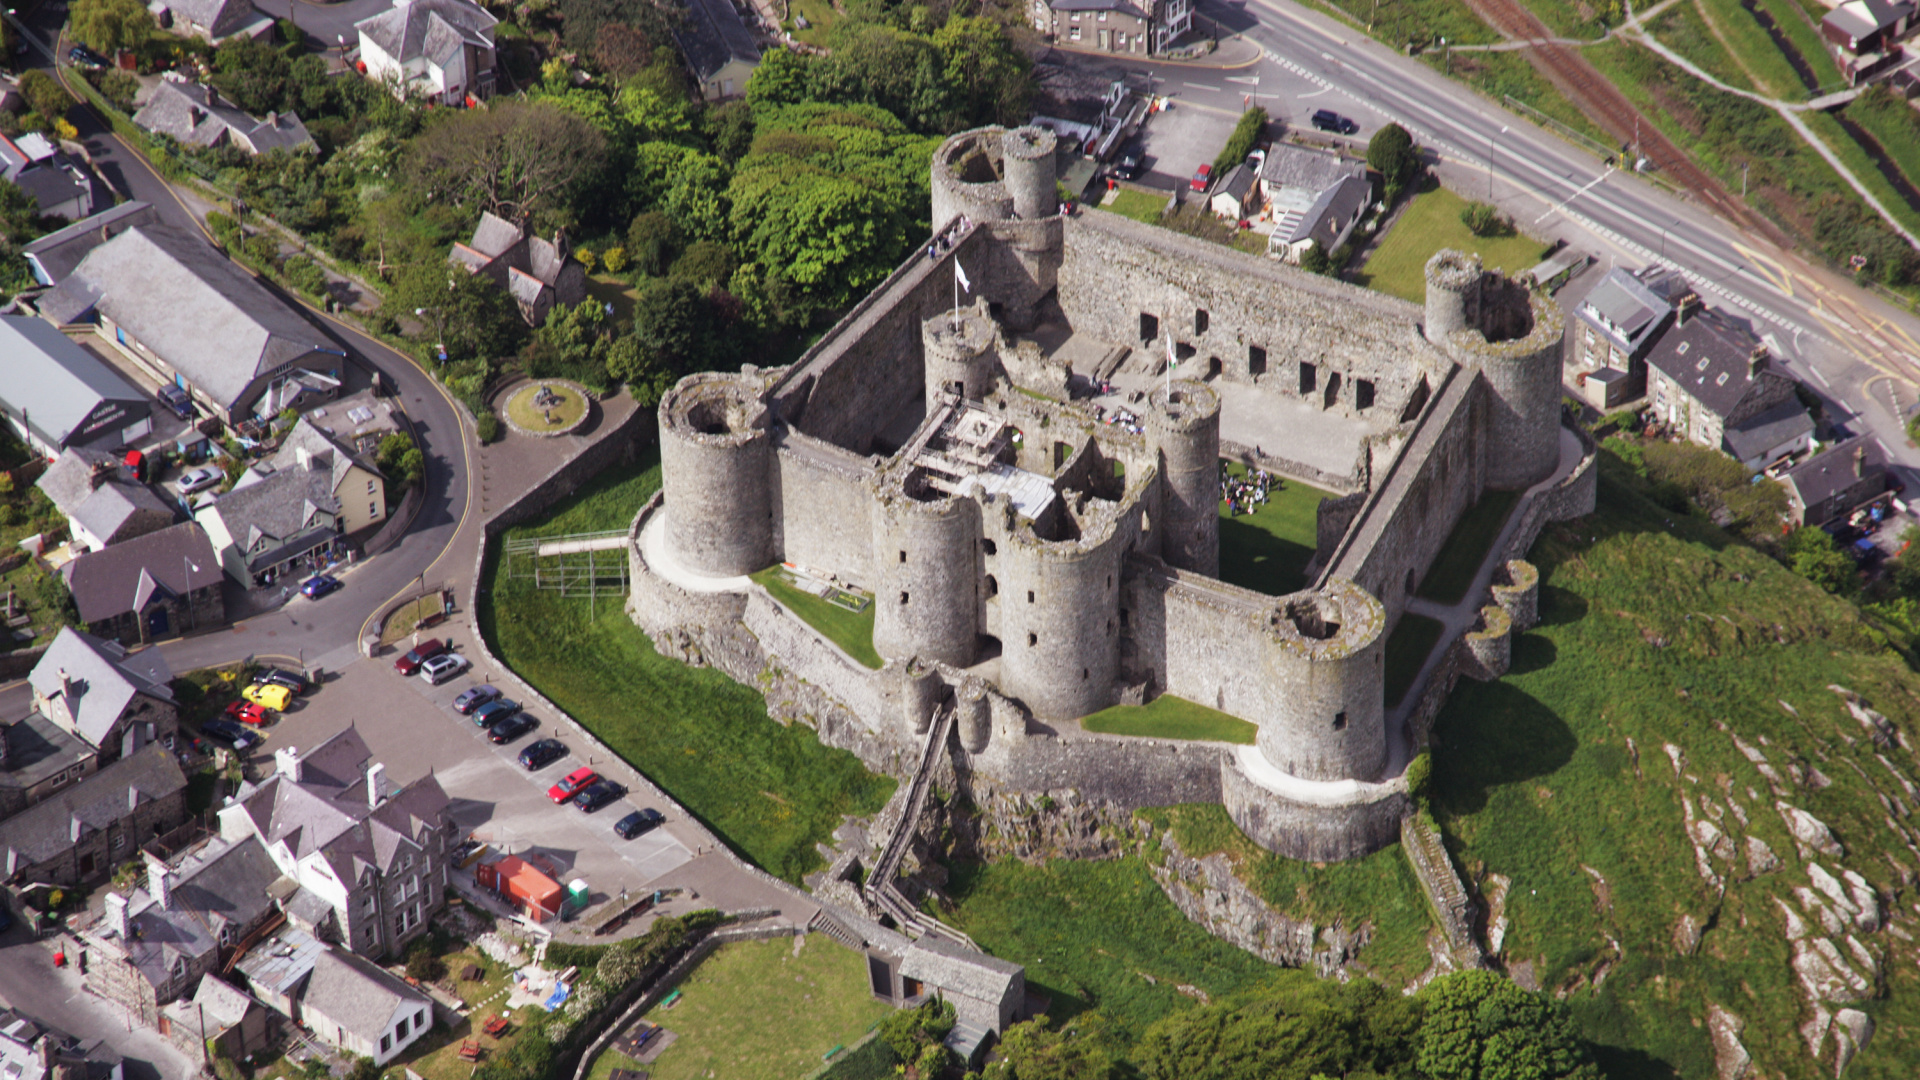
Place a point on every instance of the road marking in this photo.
(1817, 375)
(1250, 80)
(1316, 93)
(1197, 86)
(1569, 199)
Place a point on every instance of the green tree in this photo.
(783, 78)
(906, 1031)
(991, 79)
(674, 333)
(254, 74)
(1814, 555)
(705, 266)
(525, 161)
(1314, 259)
(473, 317)
(45, 95)
(1034, 1050)
(110, 26)
(1480, 1026)
(622, 50)
(653, 243)
(1392, 154)
(1483, 219)
(1296, 1027)
(1246, 135)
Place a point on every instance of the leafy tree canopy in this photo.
(1299, 1027)
(110, 26)
(1480, 1026)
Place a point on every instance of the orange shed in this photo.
(519, 883)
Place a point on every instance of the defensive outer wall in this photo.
(1029, 566)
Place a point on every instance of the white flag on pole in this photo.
(1173, 361)
(960, 276)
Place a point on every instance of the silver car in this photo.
(200, 479)
(444, 667)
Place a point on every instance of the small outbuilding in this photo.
(1238, 195)
(1834, 482)
(523, 885)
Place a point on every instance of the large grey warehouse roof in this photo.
(54, 382)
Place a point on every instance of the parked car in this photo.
(1328, 120)
(475, 697)
(272, 695)
(511, 728)
(598, 794)
(246, 712)
(444, 667)
(230, 734)
(320, 585)
(1201, 177)
(86, 57)
(1127, 166)
(418, 655)
(572, 783)
(292, 680)
(494, 711)
(176, 400)
(638, 822)
(200, 479)
(542, 754)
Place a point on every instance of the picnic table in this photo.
(470, 1050)
(497, 1026)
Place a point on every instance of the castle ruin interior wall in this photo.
(821, 506)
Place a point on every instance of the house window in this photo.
(373, 510)
(119, 842)
(1073, 32)
(1103, 16)
(420, 1020)
(369, 487)
(386, 1043)
(400, 1029)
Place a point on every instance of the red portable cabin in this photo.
(519, 883)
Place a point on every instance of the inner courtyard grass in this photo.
(1169, 717)
(1432, 222)
(1268, 550)
(852, 631)
(761, 1010)
(1407, 649)
(1467, 546)
(771, 791)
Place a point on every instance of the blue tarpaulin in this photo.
(558, 997)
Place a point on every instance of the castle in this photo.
(1031, 562)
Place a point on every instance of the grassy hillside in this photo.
(1680, 677)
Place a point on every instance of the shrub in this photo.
(1314, 260)
(1246, 133)
(1392, 154)
(423, 964)
(1483, 219)
(45, 96)
(487, 427)
(224, 228)
(118, 87)
(615, 259)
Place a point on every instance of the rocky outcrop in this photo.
(1810, 834)
(1730, 1059)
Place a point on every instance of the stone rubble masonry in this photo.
(1184, 417)
(715, 460)
(1516, 589)
(1490, 643)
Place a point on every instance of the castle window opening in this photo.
(993, 587)
(1110, 627)
(1213, 367)
(1256, 360)
(1061, 452)
(1029, 596)
(903, 556)
(1339, 721)
(1333, 389)
(1123, 616)
(1363, 393)
(1199, 320)
(1149, 326)
(988, 547)
(903, 599)
(1033, 639)
(1309, 377)
(1085, 675)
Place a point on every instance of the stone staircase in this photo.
(966, 1040)
(880, 891)
(1427, 854)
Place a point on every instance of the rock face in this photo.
(1810, 834)
(1730, 1059)
(1760, 857)
(1207, 891)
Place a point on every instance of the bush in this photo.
(1483, 219)
(1246, 133)
(423, 964)
(487, 427)
(45, 96)
(1314, 259)
(1391, 153)
(118, 87)
(615, 259)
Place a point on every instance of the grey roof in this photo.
(192, 306)
(1760, 434)
(433, 29)
(277, 964)
(1862, 18)
(37, 748)
(221, 18)
(225, 1003)
(196, 115)
(1709, 354)
(58, 385)
(103, 677)
(714, 36)
(221, 887)
(51, 185)
(1625, 309)
(55, 824)
(105, 508)
(958, 970)
(1238, 181)
(278, 507)
(1830, 472)
(1302, 167)
(125, 577)
(1341, 202)
(321, 450)
(356, 995)
(1122, 6)
(494, 235)
(58, 252)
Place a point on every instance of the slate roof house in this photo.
(188, 315)
(54, 255)
(57, 183)
(152, 587)
(539, 273)
(115, 700)
(57, 394)
(1316, 197)
(367, 853)
(987, 993)
(196, 115)
(1832, 483)
(274, 522)
(1618, 323)
(1708, 377)
(214, 20)
(1140, 27)
(440, 49)
(1238, 194)
(718, 47)
(221, 1016)
(102, 502)
(361, 1009)
(357, 484)
(80, 833)
(37, 758)
(32, 1050)
(1864, 35)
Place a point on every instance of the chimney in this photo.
(375, 773)
(100, 473)
(159, 882)
(1757, 363)
(117, 919)
(66, 689)
(286, 762)
(1859, 462)
(304, 456)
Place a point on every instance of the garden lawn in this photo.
(852, 631)
(762, 1010)
(608, 289)
(771, 791)
(1407, 650)
(521, 409)
(1268, 550)
(1467, 546)
(1138, 205)
(1169, 717)
(1432, 222)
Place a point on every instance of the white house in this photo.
(440, 49)
(361, 1009)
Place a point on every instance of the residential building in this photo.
(438, 49)
(372, 855)
(59, 185)
(358, 421)
(32, 1050)
(539, 273)
(213, 20)
(987, 993)
(1836, 481)
(57, 394)
(115, 700)
(158, 585)
(54, 255)
(1784, 431)
(357, 484)
(195, 115)
(153, 945)
(77, 835)
(220, 1020)
(1708, 375)
(37, 758)
(718, 47)
(188, 315)
(360, 1009)
(1140, 27)
(102, 501)
(1314, 197)
(1864, 35)
(274, 522)
(1238, 194)
(1616, 327)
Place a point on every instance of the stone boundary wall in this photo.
(1454, 663)
(1298, 470)
(1433, 867)
(788, 639)
(16, 664)
(1309, 832)
(822, 506)
(1129, 773)
(1573, 497)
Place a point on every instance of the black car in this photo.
(230, 734)
(511, 728)
(638, 822)
(598, 794)
(86, 57)
(542, 754)
(282, 677)
(1328, 120)
(494, 711)
(177, 400)
(472, 699)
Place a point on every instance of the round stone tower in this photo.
(1523, 446)
(1059, 617)
(1325, 715)
(1453, 285)
(1028, 165)
(926, 576)
(966, 178)
(1184, 421)
(716, 464)
(961, 353)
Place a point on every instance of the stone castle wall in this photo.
(1312, 832)
(821, 504)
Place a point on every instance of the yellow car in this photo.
(273, 697)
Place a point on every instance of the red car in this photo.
(1202, 177)
(421, 653)
(247, 712)
(571, 785)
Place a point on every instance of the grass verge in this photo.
(1169, 717)
(1432, 222)
(852, 631)
(1138, 205)
(1268, 550)
(1467, 546)
(1722, 40)
(771, 791)
(1407, 650)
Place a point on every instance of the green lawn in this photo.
(568, 410)
(821, 14)
(852, 631)
(761, 1010)
(1407, 649)
(1399, 265)
(770, 790)
(1467, 546)
(1169, 717)
(1268, 550)
(608, 289)
(1138, 205)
